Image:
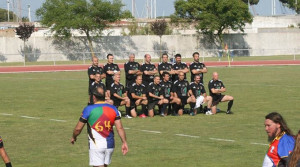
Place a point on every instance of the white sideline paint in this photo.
(6, 114)
(24, 116)
(260, 144)
(126, 128)
(151, 131)
(222, 139)
(187, 135)
(57, 120)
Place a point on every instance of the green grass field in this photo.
(63, 95)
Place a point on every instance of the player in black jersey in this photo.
(98, 83)
(132, 69)
(119, 95)
(178, 67)
(198, 91)
(197, 68)
(216, 88)
(149, 70)
(166, 87)
(110, 69)
(181, 89)
(4, 155)
(92, 70)
(164, 66)
(137, 95)
(155, 97)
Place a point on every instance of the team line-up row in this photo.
(169, 90)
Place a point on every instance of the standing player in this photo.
(216, 88)
(110, 69)
(166, 87)
(100, 118)
(178, 67)
(156, 98)
(119, 95)
(181, 90)
(149, 70)
(4, 154)
(98, 83)
(137, 95)
(198, 91)
(281, 140)
(197, 68)
(92, 70)
(164, 66)
(132, 69)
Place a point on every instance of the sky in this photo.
(164, 7)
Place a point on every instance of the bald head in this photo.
(215, 76)
(95, 61)
(181, 76)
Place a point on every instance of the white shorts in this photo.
(199, 101)
(100, 156)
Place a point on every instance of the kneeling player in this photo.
(216, 88)
(4, 154)
(156, 98)
(119, 96)
(166, 87)
(98, 83)
(181, 90)
(137, 95)
(198, 91)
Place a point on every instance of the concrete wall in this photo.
(261, 44)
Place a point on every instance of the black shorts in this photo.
(152, 104)
(217, 99)
(117, 102)
(183, 100)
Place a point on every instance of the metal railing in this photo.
(42, 58)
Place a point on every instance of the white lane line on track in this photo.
(222, 139)
(151, 131)
(24, 116)
(6, 114)
(57, 120)
(260, 144)
(183, 135)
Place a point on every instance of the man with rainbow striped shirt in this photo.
(100, 119)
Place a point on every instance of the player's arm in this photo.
(190, 93)
(122, 135)
(118, 96)
(135, 96)
(77, 130)
(151, 72)
(154, 96)
(199, 71)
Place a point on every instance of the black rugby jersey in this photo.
(148, 67)
(92, 70)
(166, 88)
(218, 84)
(197, 89)
(155, 89)
(119, 89)
(195, 66)
(164, 67)
(138, 90)
(178, 66)
(109, 77)
(181, 88)
(131, 66)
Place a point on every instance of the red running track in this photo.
(52, 68)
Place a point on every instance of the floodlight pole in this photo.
(29, 15)
(7, 10)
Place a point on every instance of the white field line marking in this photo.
(24, 116)
(260, 144)
(57, 120)
(187, 135)
(222, 139)
(6, 114)
(126, 128)
(151, 131)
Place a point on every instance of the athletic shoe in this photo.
(127, 116)
(143, 116)
(192, 114)
(209, 113)
(162, 115)
(229, 112)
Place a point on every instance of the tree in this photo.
(3, 15)
(89, 17)
(24, 32)
(252, 2)
(212, 17)
(159, 28)
(292, 4)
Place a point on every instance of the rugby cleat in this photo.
(143, 116)
(208, 113)
(127, 116)
(229, 112)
